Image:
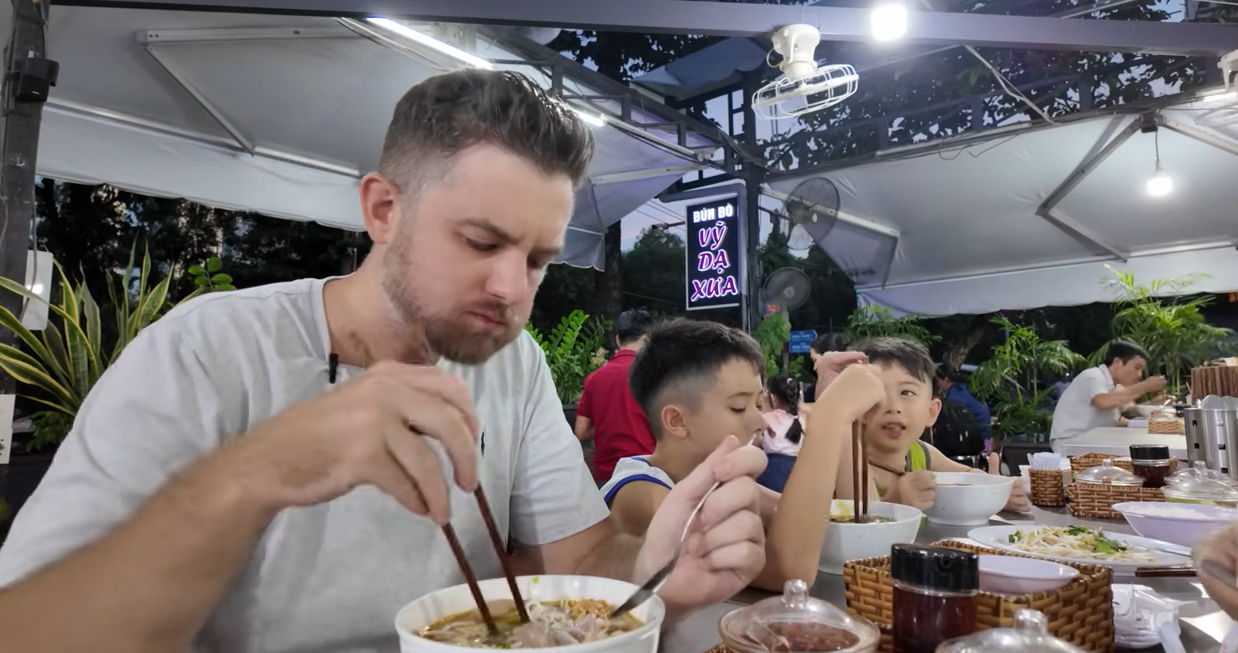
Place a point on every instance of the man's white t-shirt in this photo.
(1075, 414)
(324, 578)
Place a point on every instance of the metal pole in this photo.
(23, 110)
(754, 175)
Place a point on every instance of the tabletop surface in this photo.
(1116, 440)
(1203, 624)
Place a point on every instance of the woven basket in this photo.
(1096, 501)
(1166, 427)
(1047, 487)
(1081, 612)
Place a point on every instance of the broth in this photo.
(551, 623)
(807, 638)
(872, 519)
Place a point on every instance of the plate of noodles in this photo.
(1082, 545)
(568, 614)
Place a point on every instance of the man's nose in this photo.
(509, 280)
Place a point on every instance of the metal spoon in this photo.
(655, 582)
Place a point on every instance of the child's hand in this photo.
(830, 365)
(917, 489)
(856, 392)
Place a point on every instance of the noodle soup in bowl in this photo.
(556, 600)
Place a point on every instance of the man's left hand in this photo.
(725, 548)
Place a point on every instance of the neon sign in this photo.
(713, 255)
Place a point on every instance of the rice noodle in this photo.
(1076, 542)
(552, 623)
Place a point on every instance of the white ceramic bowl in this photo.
(845, 542)
(454, 600)
(1181, 530)
(1147, 410)
(1011, 575)
(966, 499)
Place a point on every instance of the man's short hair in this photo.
(911, 356)
(1125, 351)
(632, 324)
(681, 358)
(446, 114)
(828, 342)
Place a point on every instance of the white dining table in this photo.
(1116, 440)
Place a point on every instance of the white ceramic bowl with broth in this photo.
(967, 499)
(455, 600)
(845, 542)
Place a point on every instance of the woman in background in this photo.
(781, 440)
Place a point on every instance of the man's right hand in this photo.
(917, 489)
(373, 430)
(1152, 384)
(1221, 549)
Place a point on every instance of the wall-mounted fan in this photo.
(805, 85)
(785, 288)
(812, 209)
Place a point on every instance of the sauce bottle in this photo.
(934, 595)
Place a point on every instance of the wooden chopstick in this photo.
(501, 551)
(1176, 571)
(856, 472)
(889, 468)
(858, 431)
(470, 578)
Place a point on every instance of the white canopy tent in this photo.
(282, 115)
(1030, 217)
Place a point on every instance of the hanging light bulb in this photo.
(888, 22)
(1160, 183)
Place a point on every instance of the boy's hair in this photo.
(681, 358)
(910, 356)
(1124, 351)
(828, 342)
(631, 325)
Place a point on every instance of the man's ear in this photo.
(934, 411)
(674, 420)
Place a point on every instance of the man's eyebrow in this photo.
(501, 235)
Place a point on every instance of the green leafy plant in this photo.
(208, 278)
(575, 347)
(773, 333)
(873, 321)
(1172, 329)
(66, 359)
(1009, 380)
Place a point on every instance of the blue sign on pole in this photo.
(801, 341)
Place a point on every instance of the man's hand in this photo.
(917, 489)
(1151, 384)
(725, 548)
(1222, 550)
(373, 430)
(830, 365)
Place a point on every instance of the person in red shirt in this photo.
(606, 412)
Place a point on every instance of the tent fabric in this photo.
(314, 105)
(969, 239)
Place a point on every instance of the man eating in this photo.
(1094, 399)
(242, 478)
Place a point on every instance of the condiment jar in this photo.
(1108, 474)
(796, 623)
(1029, 635)
(934, 595)
(1151, 462)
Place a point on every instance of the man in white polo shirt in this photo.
(1095, 397)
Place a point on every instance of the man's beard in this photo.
(447, 336)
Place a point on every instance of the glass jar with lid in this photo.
(934, 595)
(1152, 463)
(796, 623)
(1107, 473)
(1204, 488)
(1029, 635)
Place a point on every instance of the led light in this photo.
(430, 42)
(36, 288)
(889, 22)
(1160, 184)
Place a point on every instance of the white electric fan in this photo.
(806, 85)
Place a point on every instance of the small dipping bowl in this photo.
(1012, 575)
